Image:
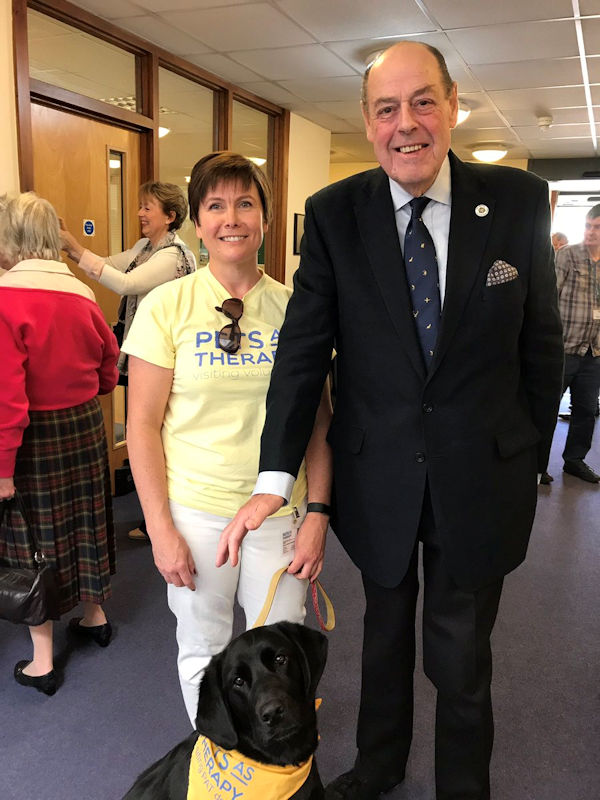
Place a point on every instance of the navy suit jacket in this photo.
(476, 427)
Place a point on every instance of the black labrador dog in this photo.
(257, 697)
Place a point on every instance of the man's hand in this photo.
(7, 488)
(310, 547)
(173, 559)
(250, 517)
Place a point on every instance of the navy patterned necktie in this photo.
(423, 280)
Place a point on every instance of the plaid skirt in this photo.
(63, 476)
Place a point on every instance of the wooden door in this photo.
(71, 162)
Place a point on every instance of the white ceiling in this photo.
(514, 60)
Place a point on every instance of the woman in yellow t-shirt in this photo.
(201, 350)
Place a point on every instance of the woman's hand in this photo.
(173, 558)
(310, 547)
(7, 488)
(69, 243)
(250, 517)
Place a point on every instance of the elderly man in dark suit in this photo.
(434, 281)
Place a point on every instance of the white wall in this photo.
(9, 159)
(308, 171)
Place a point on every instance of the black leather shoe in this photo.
(100, 634)
(43, 683)
(580, 469)
(546, 479)
(350, 786)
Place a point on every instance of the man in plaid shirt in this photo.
(578, 280)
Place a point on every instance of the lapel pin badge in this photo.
(482, 210)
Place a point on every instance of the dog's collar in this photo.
(229, 775)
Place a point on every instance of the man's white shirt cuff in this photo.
(280, 483)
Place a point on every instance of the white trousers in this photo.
(205, 616)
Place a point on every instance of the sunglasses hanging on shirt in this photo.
(230, 336)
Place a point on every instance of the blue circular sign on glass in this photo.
(88, 227)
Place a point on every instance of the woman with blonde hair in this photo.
(58, 354)
(159, 256)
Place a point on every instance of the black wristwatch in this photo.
(321, 508)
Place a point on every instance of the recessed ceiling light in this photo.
(163, 132)
(258, 161)
(464, 112)
(489, 152)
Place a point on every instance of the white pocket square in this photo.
(501, 272)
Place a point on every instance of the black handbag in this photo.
(28, 595)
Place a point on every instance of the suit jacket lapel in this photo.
(377, 228)
(469, 232)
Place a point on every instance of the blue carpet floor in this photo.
(120, 708)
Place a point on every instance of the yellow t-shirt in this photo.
(217, 774)
(216, 410)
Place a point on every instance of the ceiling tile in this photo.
(325, 89)
(357, 19)
(532, 133)
(590, 29)
(559, 115)
(237, 27)
(164, 35)
(112, 9)
(518, 74)
(480, 120)
(498, 134)
(180, 5)
(331, 122)
(515, 42)
(348, 110)
(272, 92)
(303, 61)
(539, 100)
(224, 67)
(470, 13)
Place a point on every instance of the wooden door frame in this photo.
(149, 58)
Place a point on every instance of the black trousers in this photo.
(582, 376)
(457, 659)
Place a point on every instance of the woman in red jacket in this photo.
(58, 355)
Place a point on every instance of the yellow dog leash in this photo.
(328, 625)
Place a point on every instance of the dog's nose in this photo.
(272, 712)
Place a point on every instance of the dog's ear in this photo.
(312, 645)
(213, 719)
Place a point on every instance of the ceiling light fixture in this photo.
(489, 152)
(163, 132)
(258, 161)
(545, 122)
(464, 112)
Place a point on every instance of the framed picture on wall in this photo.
(298, 231)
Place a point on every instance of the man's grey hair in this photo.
(594, 212)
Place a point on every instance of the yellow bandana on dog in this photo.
(217, 774)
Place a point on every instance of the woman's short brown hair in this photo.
(231, 168)
(170, 197)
